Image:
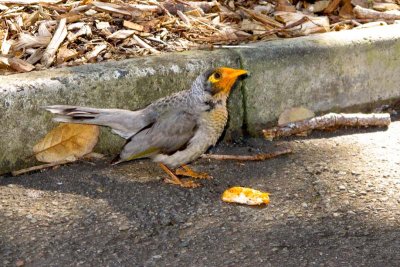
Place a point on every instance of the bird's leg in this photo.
(175, 180)
(186, 171)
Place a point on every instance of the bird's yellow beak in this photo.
(233, 73)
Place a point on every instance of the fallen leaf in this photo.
(67, 141)
(295, 114)
(244, 195)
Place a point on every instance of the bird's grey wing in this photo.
(125, 123)
(170, 132)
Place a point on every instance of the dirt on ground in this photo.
(334, 202)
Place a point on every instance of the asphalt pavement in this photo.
(334, 202)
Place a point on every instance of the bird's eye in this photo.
(217, 75)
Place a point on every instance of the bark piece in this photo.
(58, 38)
(365, 13)
(133, 26)
(328, 121)
(95, 52)
(333, 4)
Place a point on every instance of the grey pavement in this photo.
(334, 202)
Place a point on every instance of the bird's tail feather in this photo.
(125, 123)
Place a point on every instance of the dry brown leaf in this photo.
(294, 114)
(67, 142)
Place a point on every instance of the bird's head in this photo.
(219, 81)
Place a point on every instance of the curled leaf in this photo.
(67, 142)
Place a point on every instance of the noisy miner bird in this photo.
(174, 130)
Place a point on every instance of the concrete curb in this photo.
(322, 72)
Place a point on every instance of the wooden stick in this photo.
(58, 38)
(257, 157)
(39, 167)
(143, 44)
(366, 13)
(328, 121)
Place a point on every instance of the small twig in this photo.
(39, 167)
(329, 121)
(257, 157)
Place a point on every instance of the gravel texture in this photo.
(334, 202)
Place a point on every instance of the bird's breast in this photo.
(214, 122)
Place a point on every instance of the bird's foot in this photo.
(188, 172)
(185, 184)
(176, 181)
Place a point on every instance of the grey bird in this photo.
(174, 130)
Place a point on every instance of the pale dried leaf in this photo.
(294, 114)
(121, 34)
(67, 141)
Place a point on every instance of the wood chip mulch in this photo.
(39, 34)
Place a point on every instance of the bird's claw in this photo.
(186, 171)
(185, 184)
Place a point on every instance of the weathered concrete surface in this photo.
(323, 72)
(128, 84)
